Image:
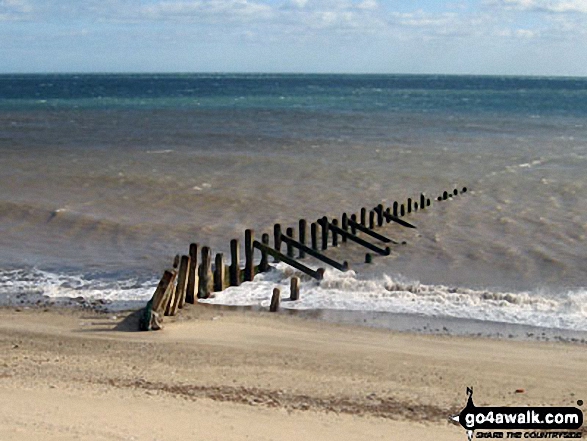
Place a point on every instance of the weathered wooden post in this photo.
(277, 237)
(415, 206)
(205, 274)
(324, 226)
(334, 235)
(274, 306)
(170, 295)
(290, 250)
(455, 192)
(371, 219)
(294, 288)
(176, 261)
(264, 263)
(314, 235)
(444, 195)
(368, 258)
(249, 263)
(379, 211)
(364, 216)
(395, 207)
(219, 272)
(428, 202)
(159, 301)
(402, 210)
(235, 269)
(409, 205)
(422, 201)
(353, 228)
(464, 190)
(182, 282)
(302, 236)
(345, 225)
(192, 288)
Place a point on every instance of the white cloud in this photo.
(198, 9)
(555, 6)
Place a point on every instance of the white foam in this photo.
(339, 291)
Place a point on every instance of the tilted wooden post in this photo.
(192, 288)
(205, 284)
(264, 263)
(302, 237)
(160, 292)
(249, 252)
(235, 269)
(294, 288)
(219, 272)
(274, 307)
(182, 282)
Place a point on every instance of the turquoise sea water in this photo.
(104, 178)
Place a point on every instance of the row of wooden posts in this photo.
(188, 281)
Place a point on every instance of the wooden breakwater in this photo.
(191, 279)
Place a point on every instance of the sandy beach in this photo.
(234, 375)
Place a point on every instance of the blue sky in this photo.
(513, 37)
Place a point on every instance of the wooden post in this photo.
(371, 233)
(294, 288)
(159, 295)
(402, 210)
(302, 236)
(455, 192)
(379, 212)
(422, 201)
(464, 190)
(249, 264)
(274, 307)
(395, 206)
(264, 263)
(277, 237)
(428, 202)
(190, 294)
(345, 225)
(341, 267)
(205, 274)
(182, 282)
(334, 235)
(368, 258)
(444, 195)
(324, 225)
(371, 219)
(176, 261)
(415, 206)
(364, 216)
(383, 251)
(170, 295)
(409, 205)
(354, 221)
(387, 214)
(314, 235)
(316, 274)
(290, 251)
(219, 272)
(235, 269)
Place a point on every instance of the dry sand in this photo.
(233, 375)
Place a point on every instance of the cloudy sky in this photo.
(527, 37)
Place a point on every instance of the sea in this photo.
(104, 178)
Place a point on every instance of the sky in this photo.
(481, 37)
